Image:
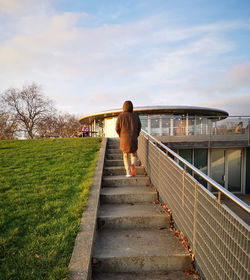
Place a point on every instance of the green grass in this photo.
(44, 186)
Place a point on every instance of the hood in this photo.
(128, 106)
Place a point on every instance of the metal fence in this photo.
(207, 129)
(218, 237)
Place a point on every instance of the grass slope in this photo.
(44, 186)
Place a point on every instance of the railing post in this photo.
(219, 197)
(158, 167)
(147, 156)
(183, 184)
(248, 133)
(195, 217)
(210, 134)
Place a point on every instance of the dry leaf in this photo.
(160, 228)
(192, 255)
(94, 262)
(36, 256)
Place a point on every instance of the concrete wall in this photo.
(109, 127)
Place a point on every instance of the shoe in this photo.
(133, 170)
(128, 175)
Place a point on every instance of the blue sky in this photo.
(90, 56)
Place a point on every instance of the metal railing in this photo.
(200, 129)
(218, 237)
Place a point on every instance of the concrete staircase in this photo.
(134, 240)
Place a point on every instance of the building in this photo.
(208, 138)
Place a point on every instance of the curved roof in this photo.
(153, 110)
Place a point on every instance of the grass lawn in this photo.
(44, 186)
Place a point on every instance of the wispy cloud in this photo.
(14, 7)
(148, 60)
(236, 106)
(16, 10)
(230, 82)
(239, 76)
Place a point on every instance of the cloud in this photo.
(235, 106)
(169, 33)
(239, 76)
(12, 7)
(230, 82)
(105, 98)
(148, 61)
(18, 8)
(129, 49)
(27, 51)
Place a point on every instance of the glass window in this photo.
(201, 125)
(166, 125)
(155, 125)
(198, 126)
(200, 162)
(234, 170)
(144, 122)
(209, 126)
(248, 171)
(204, 126)
(191, 125)
(187, 155)
(226, 168)
(179, 125)
(99, 128)
(218, 166)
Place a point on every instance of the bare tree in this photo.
(47, 127)
(58, 125)
(8, 127)
(28, 106)
(67, 125)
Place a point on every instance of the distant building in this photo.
(206, 137)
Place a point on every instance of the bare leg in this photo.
(133, 164)
(126, 163)
(133, 158)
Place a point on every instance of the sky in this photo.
(92, 55)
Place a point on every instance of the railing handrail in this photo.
(230, 195)
(203, 116)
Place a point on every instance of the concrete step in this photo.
(113, 145)
(139, 250)
(117, 162)
(112, 140)
(133, 239)
(132, 215)
(114, 156)
(161, 275)
(118, 180)
(120, 170)
(128, 194)
(113, 151)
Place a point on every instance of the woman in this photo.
(128, 127)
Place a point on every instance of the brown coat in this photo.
(128, 127)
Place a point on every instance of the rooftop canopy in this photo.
(154, 110)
